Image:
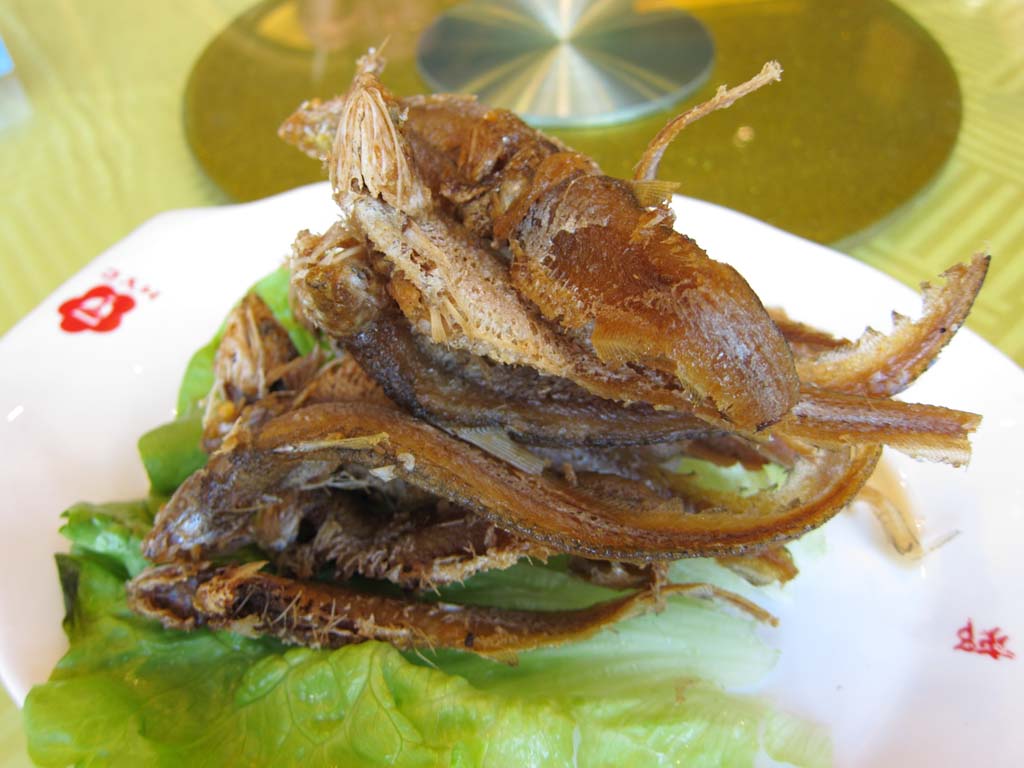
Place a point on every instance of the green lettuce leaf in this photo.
(172, 452)
(131, 693)
(112, 531)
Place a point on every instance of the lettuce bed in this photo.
(649, 692)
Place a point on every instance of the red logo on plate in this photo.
(99, 309)
(991, 642)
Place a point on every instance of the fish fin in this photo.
(650, 193)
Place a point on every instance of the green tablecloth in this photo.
(92, 145)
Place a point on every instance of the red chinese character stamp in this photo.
(990, 642)
(98, 309)
(101, 308)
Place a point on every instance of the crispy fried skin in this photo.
(588, 255)
(570, 230)
(340, 291)
(341, 379)
(457, 293)
(254, 346)
(443, 389)
(455, 390)
(166, 593)
(882, 365)
(247, 601)
(255, 357)
(307, 446)
(923, 431)
(361, 525)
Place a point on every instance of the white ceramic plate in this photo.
(868, 643)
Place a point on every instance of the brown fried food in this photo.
(245, 600)
(820, 416)
(804, 340)
(416, 543)
(882, 365)
(441, 275)
(772, 566)
(923, 431)
(420, 546)
(255, 357)
(491, 281)
(333, 286)
(459, 390)
(341, 293)
(341, 379)
(307, 446)
(362, 525)
(675, 310)
(457, 293)
(455, 389)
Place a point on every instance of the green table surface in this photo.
(92, 144)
